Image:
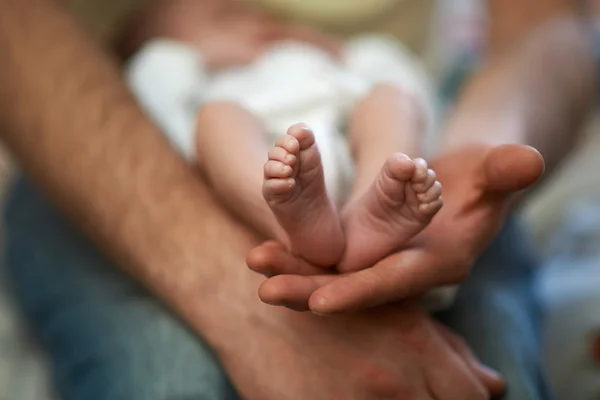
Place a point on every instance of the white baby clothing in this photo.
(291, 82)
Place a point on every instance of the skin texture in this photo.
(80, 136)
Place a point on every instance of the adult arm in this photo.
(78, 133)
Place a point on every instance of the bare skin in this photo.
(382, 215)
(298, 210)
(386, 109)
(294, 189)
(479, 181)
(116, 178)
(390, 204)
(236, 174)
(231, 143)
(400, 203)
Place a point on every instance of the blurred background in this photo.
(564, 216)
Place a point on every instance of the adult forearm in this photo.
(538, 94)
(75, 129)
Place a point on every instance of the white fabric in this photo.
(292, 82)
(165, 77)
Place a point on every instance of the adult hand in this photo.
(480, 183)
(394, 352)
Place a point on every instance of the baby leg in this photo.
(231, 148)
(299, 199)
(384, 122)
(388, 205)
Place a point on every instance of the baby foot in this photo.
(294, 188)
(398, 205)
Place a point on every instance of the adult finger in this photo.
(292, 291)
(511, 167)
(491, 379)
(272, 258)
(407, 274)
